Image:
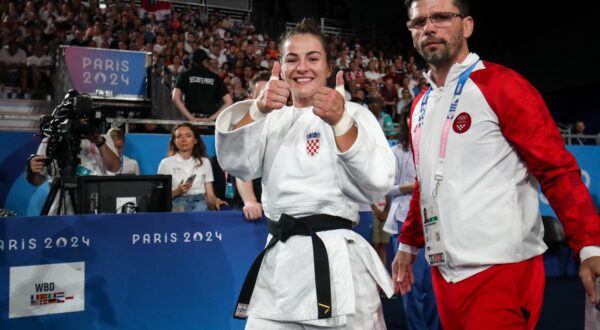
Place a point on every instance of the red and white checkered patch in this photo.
(312, 143)
(312, 146)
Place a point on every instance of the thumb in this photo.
(276, 71)
(339, 83)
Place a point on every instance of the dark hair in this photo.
(305, 26)
(462, 5)
(403, 128)
(199, 149)
(262, 75)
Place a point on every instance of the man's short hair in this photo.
(116, 134)
(462, 5)
(199, 56)
(262, 75)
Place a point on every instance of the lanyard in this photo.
(439, 174)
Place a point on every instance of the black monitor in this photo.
(123, 194)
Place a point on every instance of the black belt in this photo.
(282, 230)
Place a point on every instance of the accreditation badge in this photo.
(434, 242)
(229, 190)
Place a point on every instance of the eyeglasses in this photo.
(440, 20)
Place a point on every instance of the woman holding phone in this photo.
(190, 170)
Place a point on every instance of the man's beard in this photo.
(445, 54)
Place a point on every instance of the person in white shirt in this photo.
(128, 166)
(12, 65)
(97, 156)
(318, 159)
(40, 66)
(191, 172)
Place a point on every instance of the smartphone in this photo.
(191, 178)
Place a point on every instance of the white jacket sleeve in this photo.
(241, 151)
(366, 169)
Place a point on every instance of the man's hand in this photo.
(252, 211)
(328, 103)
(275, 93)
(96, 138)
(37, 164)
(402, 274)
(588, 272)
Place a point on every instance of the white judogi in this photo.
(303, 173)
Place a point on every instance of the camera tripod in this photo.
(63, 195)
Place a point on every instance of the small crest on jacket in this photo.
(312, 143)
(462, 123)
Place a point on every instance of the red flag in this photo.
(160, 9)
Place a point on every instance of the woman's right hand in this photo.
(275, 93)
(182, 188)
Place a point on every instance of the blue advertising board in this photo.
(108, 72)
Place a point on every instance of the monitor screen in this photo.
(123, 194)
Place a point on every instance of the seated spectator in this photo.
(372, 72)
(40, 68)
(389, 93)
(128, 166)
(359, 97)
(176, 69)
(355, 77)
(385, 120)
(191, 171)
(12, 65)
(405, 101)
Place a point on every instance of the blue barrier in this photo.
(148, 149)
(142, 271)
(145, 271)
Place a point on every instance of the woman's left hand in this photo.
(328, 103)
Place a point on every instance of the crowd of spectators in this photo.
(33, 31)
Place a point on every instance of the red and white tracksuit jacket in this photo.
(503, 144)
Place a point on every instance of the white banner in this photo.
(46, 289)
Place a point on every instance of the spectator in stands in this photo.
(355, 78)
(40, 70)
(389, 93)
(578, 132)
(359, 97)
(203, 91)
(79, 39)
(13, 70)
(299, 150)
(372, 72)
(405, 101)
(176, 69)
(191, 171)
(384, 119)
(128, 166)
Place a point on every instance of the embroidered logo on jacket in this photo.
(312, 143)
(462, 123)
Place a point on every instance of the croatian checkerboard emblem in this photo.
(312, 143)
(462, 123)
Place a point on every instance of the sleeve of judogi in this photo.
(366, 170)
(240, 151)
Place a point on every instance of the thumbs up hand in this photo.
(275, 93)
(328, 104)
